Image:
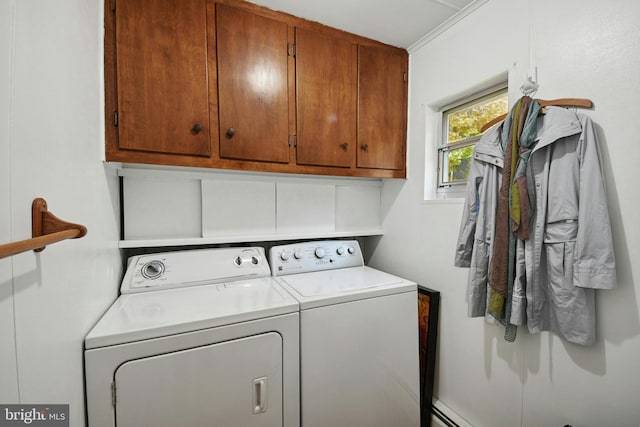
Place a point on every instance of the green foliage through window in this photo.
(468, 122)
(463, 128)
(458, 162)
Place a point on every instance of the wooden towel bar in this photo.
(46, 229)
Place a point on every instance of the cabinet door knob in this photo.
(231, 132)
(196, 129)
(344, 146)
(365, 147)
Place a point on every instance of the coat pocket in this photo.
(559, 248)
(561, 231)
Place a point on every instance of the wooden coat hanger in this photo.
(560, 102)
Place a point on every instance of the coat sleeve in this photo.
(594, 264)
(466, 235)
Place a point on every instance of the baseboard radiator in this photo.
(445, 416)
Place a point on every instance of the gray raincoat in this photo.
(570, 250)
(475, 240)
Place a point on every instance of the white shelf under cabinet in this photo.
(186, 208)
(148, 243)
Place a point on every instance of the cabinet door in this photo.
(252, 85)
(382, 107)
(162, 76)
(326, 73)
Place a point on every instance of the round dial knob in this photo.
(297, 255)
(351, 250)
(237, 261)
(152, 269)
(320, 253)
(284, 256)
(340, 250)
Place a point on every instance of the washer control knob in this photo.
(255, 260)
(297, 254)
(340, 251)
(320, 253)
(152, 270)
(238, 261)
(284, 256)
(351, 250)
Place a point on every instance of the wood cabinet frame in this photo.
(114, 153)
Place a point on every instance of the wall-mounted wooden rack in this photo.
(46, 229)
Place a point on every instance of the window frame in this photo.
(444, 188)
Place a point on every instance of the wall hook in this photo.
(530, 86)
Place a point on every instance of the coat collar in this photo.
(489, 148)
(557, 123)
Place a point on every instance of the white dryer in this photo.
(358, 336)
(197, 338)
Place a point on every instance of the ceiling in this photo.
(396, 22)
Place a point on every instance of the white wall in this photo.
(51, 147)
(581, 48)
(8, 367)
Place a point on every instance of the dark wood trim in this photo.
(212, 77)
(110, 80)
(291, 85)
(406, 112)
(250, 166)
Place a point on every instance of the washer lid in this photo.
(139, 316)
(347, 284)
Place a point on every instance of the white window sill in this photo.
(443, 201)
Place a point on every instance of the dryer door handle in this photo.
(259, 395)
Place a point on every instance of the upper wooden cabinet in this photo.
(161, 50)
(326, 83)
(252, 86)
(382, 108)
(229, 84)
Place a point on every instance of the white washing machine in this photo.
(358, 336)
(197, 338)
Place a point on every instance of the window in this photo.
(461, 124)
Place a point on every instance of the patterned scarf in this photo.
(512, 215)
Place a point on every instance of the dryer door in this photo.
(233, 383)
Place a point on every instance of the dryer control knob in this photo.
(284, 256)
(319, 253)
(340, 251)
(351, 250)
(297, 254)
(153, 269)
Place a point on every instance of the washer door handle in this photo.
(259, 395)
